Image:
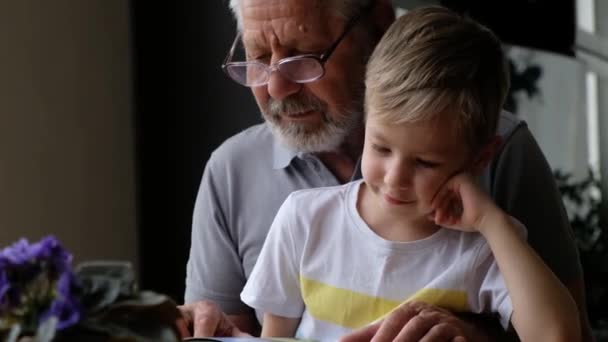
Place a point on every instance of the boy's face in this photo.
(404, 165)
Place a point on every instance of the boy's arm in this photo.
(274, 284)
(522, 184)
(278, 326)
(542, 306)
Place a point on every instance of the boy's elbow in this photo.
(566, 330)
(566, 325)
(562, 326)
(567, 333)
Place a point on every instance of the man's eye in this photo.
(426, 163)
(258, 57)
(380, 149)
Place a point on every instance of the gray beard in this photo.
(326, 138)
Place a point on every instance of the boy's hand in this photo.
(461, 204)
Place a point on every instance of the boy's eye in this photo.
(380, 149)
(426, 163)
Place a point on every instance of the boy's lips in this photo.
(393, 200)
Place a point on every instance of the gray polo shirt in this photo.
(249, 176)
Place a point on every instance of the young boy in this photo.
(417, 227)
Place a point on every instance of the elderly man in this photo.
(305, 65)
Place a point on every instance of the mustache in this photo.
(294, 104)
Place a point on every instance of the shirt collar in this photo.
(283, 155)
(357, 174)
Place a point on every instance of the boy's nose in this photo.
(398, 176)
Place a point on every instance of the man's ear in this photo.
(383, 16)
(485, 154)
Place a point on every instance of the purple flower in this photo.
(36, 282)
(18, 253)
(4, 286)
(65, 306)
(50, 249)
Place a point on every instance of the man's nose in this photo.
(280, 87)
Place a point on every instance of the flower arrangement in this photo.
(43, 298)
(37, 287)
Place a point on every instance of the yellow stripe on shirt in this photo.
(354, 309)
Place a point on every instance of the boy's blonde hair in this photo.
(433, 62)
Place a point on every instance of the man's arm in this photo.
(246, 322)
(523, 185)
(214, 271)
(205, 319)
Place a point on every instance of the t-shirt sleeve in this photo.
(492, 295)
(274, 285)
(214, 271)
(523, 185)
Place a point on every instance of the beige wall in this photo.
(66, 126)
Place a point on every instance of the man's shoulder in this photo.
(508, 123)
(254, 142)
(250, 138)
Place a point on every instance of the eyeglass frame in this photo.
(270, 68)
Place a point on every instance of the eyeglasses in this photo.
(299, 69)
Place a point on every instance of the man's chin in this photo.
(308, 142)
(308, 133)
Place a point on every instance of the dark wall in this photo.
(541, 24)
(185, 107)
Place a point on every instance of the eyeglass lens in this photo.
(298, 69)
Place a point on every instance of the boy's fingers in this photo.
(440, 199)
(442, 206)
(436, 197)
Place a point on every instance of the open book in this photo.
(243, 339)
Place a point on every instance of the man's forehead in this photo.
(292, 22)
(274, 8)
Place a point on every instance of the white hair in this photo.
(344, 8)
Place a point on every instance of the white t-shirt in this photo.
(321, 262)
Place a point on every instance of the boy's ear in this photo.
(485, 154)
